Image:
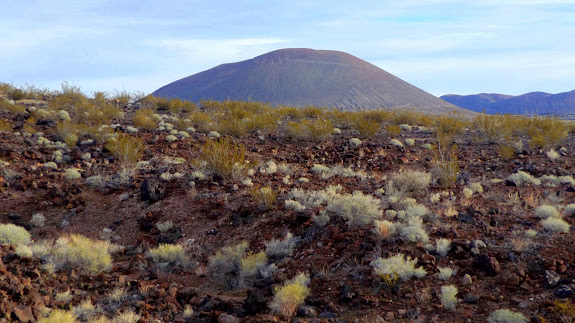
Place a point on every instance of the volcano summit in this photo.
(302, 77)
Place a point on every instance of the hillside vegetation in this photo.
(127, 208)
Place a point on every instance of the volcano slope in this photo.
(310, 229)
(302, 77)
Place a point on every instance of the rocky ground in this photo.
(498, 266)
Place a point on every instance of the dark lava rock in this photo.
(306, 311)
(48, 123)
(465, 218)
(145, 223)
(327, 315)
(304, 216)
(171, 236)
(536, 266)
(512, 257)
(552, 278)
(209, 304)
(255, 302)
(471, 298)
(564, 291)
(152, 190)
(14, 216)
(488, 264)
(510, 183)
(412, 313)
(24, 313)
(227, 318)
(347, 294)
(186, 294)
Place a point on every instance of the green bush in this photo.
(556, 225)
(506, 316)
(264, 197)
(357, 208)
(546, 211)
(448, 297)
(224, 158)
(126, 149)
(170, 253)
(77, 251)
(290, 296)
(398, 265)
(225, 265)
(446, 165)
(522, 177)
(13, 234)
(278, 249)
(144, 119)
(493, 128)
(310, 130)
(546, 132)
(411, 181)
(59, 316)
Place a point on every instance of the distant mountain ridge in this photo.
(537, 103)
(302, 77)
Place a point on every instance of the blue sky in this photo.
(441, 46)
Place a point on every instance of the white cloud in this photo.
(439, 45)
(215, 51)
(511, 73)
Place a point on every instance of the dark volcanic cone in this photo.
(301, 77)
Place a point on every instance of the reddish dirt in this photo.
(215, 214)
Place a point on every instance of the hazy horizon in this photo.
(443, 47)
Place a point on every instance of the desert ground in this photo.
(123, 209)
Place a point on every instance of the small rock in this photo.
(512, 257)
(466, 281)
(564, 291)
(471, 298)
(525, 286)
(412, 313)
(514, 300)
(465, 218)
(477, 244)
(14, 216)
(227, 318)
(124, 197)
(421, 319)
(186, 294)
(510, 183)
(389, 316)
(24, 313)
(327, 315)
(521, 272)
(152, 190)
(171, 236)
(401, 312)
(347, 294)
(512, 279)
(552, 278)
(489, 264)
(255, 302)
(428, 259)
(306, 311)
